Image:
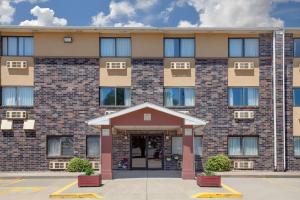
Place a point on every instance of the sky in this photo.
(151, 13)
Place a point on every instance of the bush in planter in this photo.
(89, 171)
(217, 163)
(78, 165)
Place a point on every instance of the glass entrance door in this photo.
(146, 151)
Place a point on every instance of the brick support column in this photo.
(188, 170)
(106, 152)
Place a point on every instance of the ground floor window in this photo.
(243, 146)
(198, 146)
(60, 146)
(297, 146)
(177, 145)
(93, 145)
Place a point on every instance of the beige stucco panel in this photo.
(243, 35)
(238, 78)
(17, 77)
(16, 34)
(296, 72)
(147, 45)
(296, 121)
(115, 77)
(212, 45)
(52, 44)
(179, 78)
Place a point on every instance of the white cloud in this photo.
(229, 13)
(185, 23)
(130, 24)
(122, 13)
(145, 4)
(6, 12)
(30, 1)
(45, 17)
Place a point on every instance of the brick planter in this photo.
(209, 181)
(89, 181)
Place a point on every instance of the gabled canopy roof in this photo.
(105, 120)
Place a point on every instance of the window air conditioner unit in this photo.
(115, 65)
(244, 65)
(16, 114)
(108, 112)
(16, 64)
(54, 165)
(180, 65)
(243, 164)
(243, 114)
(95, 165)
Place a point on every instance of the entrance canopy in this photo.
(146, 114)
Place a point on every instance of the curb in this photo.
(258, 176)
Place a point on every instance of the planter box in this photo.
(89, 181)
(209, 181)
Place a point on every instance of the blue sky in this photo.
(156, 13)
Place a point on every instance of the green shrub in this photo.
(217, 163)
(209, 173)
(89, 171)
(78, 165)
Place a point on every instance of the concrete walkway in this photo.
(120, 174)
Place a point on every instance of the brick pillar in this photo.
(106, 152)
(188, 170)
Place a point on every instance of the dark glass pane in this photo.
(235, 96)
(251, 47)
(107, 96)
(297, 97)
(172, 47)
(107, 47)
(67, 146)
(120, 96)
(175, 96)
(297, 47)
(235, 47)
(182, 97)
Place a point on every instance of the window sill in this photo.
(180, 57)
(297, 157)
(180, 107)
(92, 157)
(244, 57)
(243, 107)
(17, 56)
(243, 156)
(59, 157)
(22, 107)
(108, 106)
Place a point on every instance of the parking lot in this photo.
(147, 188)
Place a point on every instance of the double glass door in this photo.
(146, 151)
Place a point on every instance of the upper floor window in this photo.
(110, 96)
(243, 146)
(17, 46)
(297, 146)
(17, 96)
(296, 97)
(115, 47)
(179, 97)
(60, 146)
(243, 96)
(297, 47)
(179, 47)
(243, 47)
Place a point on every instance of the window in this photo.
(60, 146)
(297, 146)
(93, 146)
(179, 47)
(198, 146)
(243, 146)
(177, 145)
(17, 96)
(243, 47)
(243, 97)
(297, 47)
(297, 97)
(179, 97)
(115, 47)
(17, 46)
(115, 96)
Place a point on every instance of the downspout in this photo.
(283, 99)
(274, 101)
